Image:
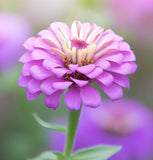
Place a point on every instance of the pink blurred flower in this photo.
(14, 30)
(135, 15)
(62, 57)
(126, 122)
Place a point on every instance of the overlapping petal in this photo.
(73, 102)
(90, 96)
(53, 100)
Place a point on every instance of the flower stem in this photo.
(71, 131)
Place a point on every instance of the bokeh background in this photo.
(20, 136)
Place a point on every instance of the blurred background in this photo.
(20, 136)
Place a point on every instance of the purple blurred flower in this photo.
(135, 15)
(62, 57)
(124, 122)
(14, 30)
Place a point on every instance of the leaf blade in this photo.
(47, 155)
(60, 156)
(48, 125)
(96, 153)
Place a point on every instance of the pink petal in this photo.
(95, 35)
(58, 52)
(86, 69)
(121, 80)
(72, 98)
(39, 54)
(50, 64)
(60, 71)
(114, 35)
(53, 100)
(125, 68)
(73, 67)
(75, 29)
(47, 85)
(29, 44)
(26, 57)
(61, 85)
(32, 96)
(103, 64)
(27, 66)
(134, 67)
(106, 78)
(44, 32)
(128, 56)
(95, 73)
(114, 57)
(62, 28)
(80, 83)
(89, 29)
(104, 41)
(51, 40)
(113, 47)
(90, 96)
(34, 86)
(39, 72)
(113, 91)
(85, 30)
(40, 44)
(124, 46)
(22, 81)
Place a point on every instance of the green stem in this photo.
(71, 131)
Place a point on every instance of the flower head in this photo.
(14, 30)
(71, 58)
(126, 122)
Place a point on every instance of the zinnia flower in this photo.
(14, 30)
(71, 58)
(125, 122)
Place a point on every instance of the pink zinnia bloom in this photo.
(71, 58)
(14, 30)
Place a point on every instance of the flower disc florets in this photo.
(71, 58)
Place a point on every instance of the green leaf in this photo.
(48, 125)
(60, 156)
(96, 153)
(48, 155)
